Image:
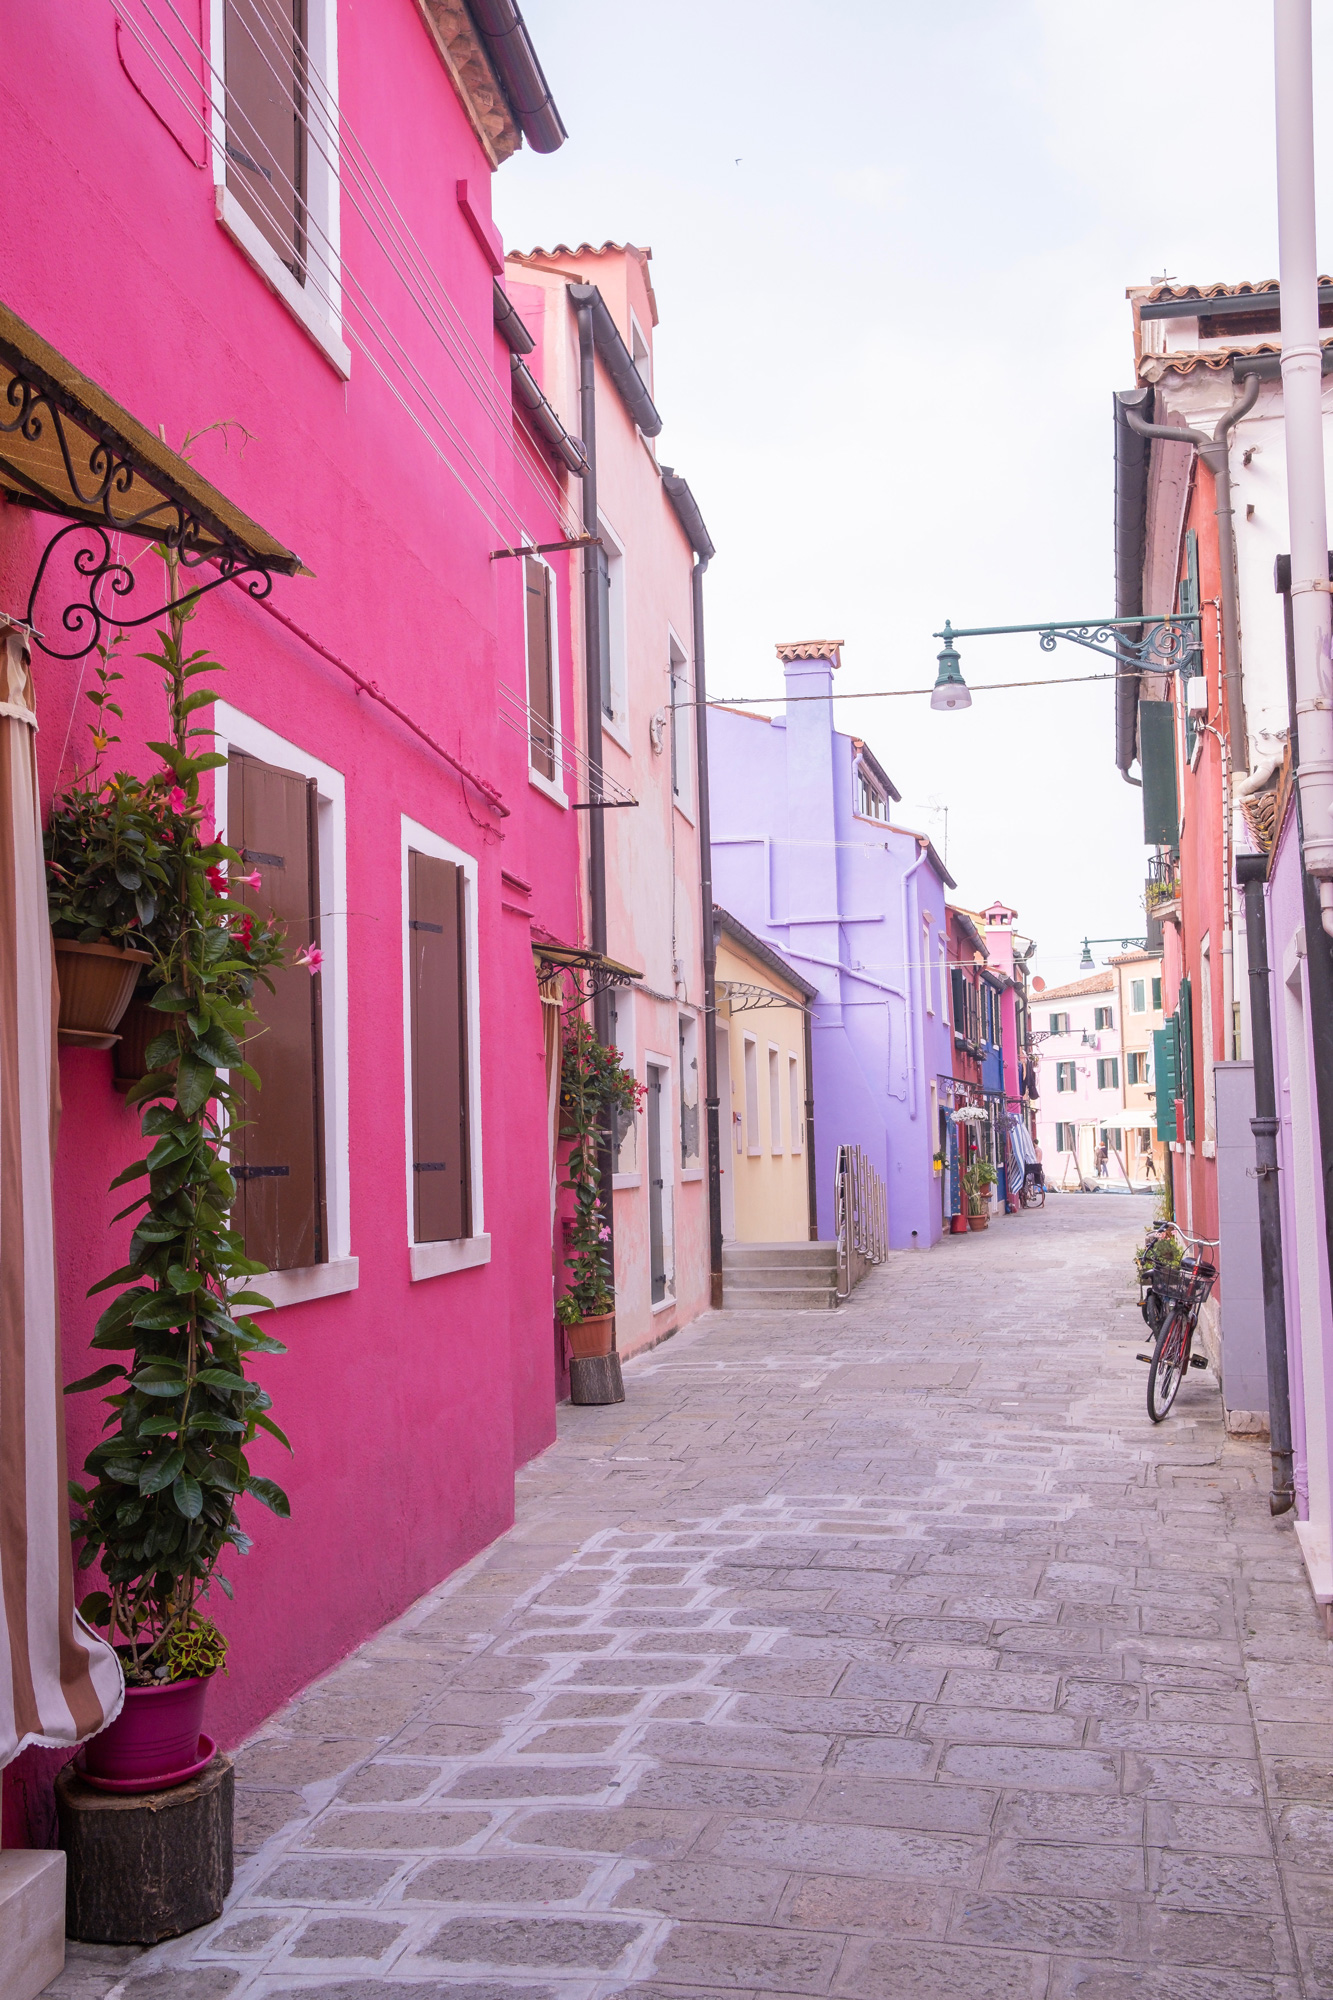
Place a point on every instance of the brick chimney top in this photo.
(811, 649)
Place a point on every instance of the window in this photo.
(870, 801)
(1157, 996)
(1108, 1073)
(927, 966)
(640, 354)
(1138, 996)
(1059, 1024)
(1136, 1066)
(774, 1098)
(611, 588)
(543, 689)
(682, 717)
(276, 150)
(285, 809)
(442, 1025)
(752, 1144)
(661, 1264)
(795, 1108)
(1101, 1018)
(436, 922)
(689, 1091)
(1066, 1138)
(1065, 1077)
(625, 1130)
(1145, 1139)
(278, 1151)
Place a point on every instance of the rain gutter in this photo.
(514, 60)
(616, 358)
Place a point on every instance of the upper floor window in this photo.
(1157, 996)
(682, 716)
(1108, 1073)
(1138, 1003)
(539, 602)
(1065, 1076)
(276, 152)
(1101, 1018)
(870, 801)
(1136, 1066)
(1059, 1024)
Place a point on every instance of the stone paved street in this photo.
(888, 1654)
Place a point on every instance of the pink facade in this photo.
(386, 452)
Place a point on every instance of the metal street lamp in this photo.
(1086, 964)
(1166, 645)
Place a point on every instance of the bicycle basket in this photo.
(1187, 1284)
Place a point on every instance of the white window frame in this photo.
(868, 785)
(641, 352)
(695, 1172)
(668, 1138)
(622, 1000)
(315, 306)
(775, 1144)
(551, 788)
(1139, 988)
(796, 1102)
(617, 724)
(754, 1145)
(459, 1253)
(680, 676)
(928, 963)
(234, 730)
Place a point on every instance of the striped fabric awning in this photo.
(59, 1683)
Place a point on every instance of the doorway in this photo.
(659, 1182)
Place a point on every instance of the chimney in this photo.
(808, 667)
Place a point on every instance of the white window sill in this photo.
(436, 1260)
(754, 1152)
(300, 302)
(621, 1181)
(314, 1281)
(779, 1153)
(663, 1306)
(683, 809)
(1209, 1149)
(617, 728)
(691, 1173)
(556, 793)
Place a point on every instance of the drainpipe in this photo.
(1251, 870)
(711, 1103)
(1215, 451)
(1302, 403)
(592, 683)
(811, 1172)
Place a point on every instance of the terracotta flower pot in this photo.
(958, 1225)
(140, 1024)
(156, 1736)
(591, 1337)
(981, 1221)
(96, 985)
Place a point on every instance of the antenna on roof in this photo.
(1165, 279)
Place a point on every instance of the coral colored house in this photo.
(320, 320)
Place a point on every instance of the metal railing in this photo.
(861, 1209)
(1163, 884)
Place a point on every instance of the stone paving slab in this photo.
(886, 1654)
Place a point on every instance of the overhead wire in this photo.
(885, 694)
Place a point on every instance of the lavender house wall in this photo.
(857, 906)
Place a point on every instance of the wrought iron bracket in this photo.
(85, 617)
(754, 999)
(589, 973)
(1166, 645)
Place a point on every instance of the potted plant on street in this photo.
(978, 1180)
(594, 1085)
(159, 1507)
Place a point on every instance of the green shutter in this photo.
(1157, 996)
(1166, 1072)
(1189, 602)
(1185, 1020)
(1157, 761)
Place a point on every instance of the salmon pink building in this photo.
(263, 314)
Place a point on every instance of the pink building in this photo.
(305, 328)
(638, 625)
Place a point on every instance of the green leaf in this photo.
(131, 1173)
(171, 1000)
(267, 1423)
(158, 1382)
(188, 1496)
(183, 1280)
(97, 1380)
(161, 1472)
(195, 1084)
(221, 1378)
(95, 1607)
(270, 1495)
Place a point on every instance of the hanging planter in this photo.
(97, 982)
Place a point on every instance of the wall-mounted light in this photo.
(950, 689)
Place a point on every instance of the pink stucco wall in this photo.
(409, 1404)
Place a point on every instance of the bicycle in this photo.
(1180, 1291)
(1032, 1194)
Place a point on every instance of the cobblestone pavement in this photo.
(888, 1654)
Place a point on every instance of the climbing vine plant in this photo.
(159, 1508)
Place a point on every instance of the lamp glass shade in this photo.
(1085, 964)
(950, 689)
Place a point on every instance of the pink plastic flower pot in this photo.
(156, 1734)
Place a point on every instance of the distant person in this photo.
(1102, 1157)
(1150, 1166)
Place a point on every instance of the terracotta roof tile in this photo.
(1100, 982)
(811, 649)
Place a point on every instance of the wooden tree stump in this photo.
(596, 1379)
(145, 1865)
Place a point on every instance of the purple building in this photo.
(806, 855)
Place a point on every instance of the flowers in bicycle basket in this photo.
(1163, 1252)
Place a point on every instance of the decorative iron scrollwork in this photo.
(84, 618)
(1169, 645)
(587, 971)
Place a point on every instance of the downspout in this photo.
(1215, 451)
(592, 685)
(811, 1173)
(1251, 870)
(711, 1104)
(1302, 402)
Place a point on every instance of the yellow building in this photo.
(765, 1109)
(1139, 974)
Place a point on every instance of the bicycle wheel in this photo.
(1154, 1308)
(1169, 1362)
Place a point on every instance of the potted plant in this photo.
(978, 1180)
(160, 1504)
(594, 1086)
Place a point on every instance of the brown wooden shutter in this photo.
(541, 689)
(266, 127)
(441, 1180)
(278, 1150)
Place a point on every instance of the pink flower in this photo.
(311, 957)
(604, 1234)
(216, 880)
(177, 800)
(250, 881)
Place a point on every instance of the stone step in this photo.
(796, 1256)
(778, 1298)
(793, 1277)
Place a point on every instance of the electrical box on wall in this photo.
(1196, 695)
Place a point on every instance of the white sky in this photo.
(889, 341)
